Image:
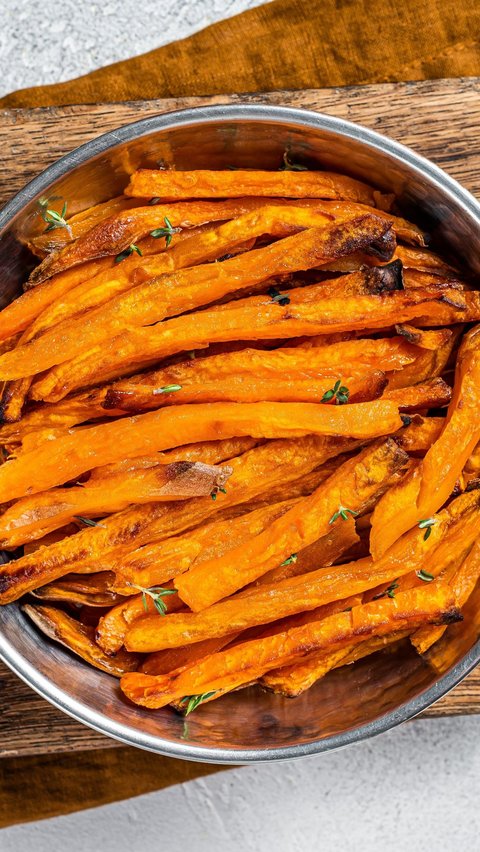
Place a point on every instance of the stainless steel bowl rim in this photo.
(184, 118)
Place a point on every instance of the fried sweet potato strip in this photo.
(429, 364)
(187, 289)
(463, 583)
(420, 435)
(68, 457)
(434, 393)
(33, 517)
(81, 223)
(170, 185)
(425, 339)
(293, 680)
(159, 562)
(353, 485)
(116, 233)
(256, 472)
(410, 554)
(248, 661)
(79, 638)
(308, 312)
(113, 626)
(423, 490)
(90, 590)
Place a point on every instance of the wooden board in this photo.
(439, 119)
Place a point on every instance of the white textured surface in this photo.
(414, 790)
(47, 41)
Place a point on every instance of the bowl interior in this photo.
(347, 704)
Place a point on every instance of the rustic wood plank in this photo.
(439, 119)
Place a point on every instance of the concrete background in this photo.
(413, 790)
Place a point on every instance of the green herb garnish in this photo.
(154, 200)
(343, 513)
(167, 389)
(156, 593)
(168, 231)
(339, 392)
(128, 251)
(389, 593)
(88, 522)
(291, 559)
(278, 297)
(289, 166)
(427, 525)
(213, 494)
(54, 219)
(425, 576)
(195, 700)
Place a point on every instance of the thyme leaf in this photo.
(89, 522)
(167, 389)
(427, 525)
(290, 166)
(193, 701)
(343, 513)
(168, 231)
(339, 393)
(156, 593)
(425, 576)
(128, 251)
(278, 297)
(291, 559)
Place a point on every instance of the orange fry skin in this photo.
(33, 517)
(248, 661)
(188, 289)
(178, 185)
(79, 638)
(68, 457)
(309, 312)
(352, 486)
(259, 605)
(423, 491)
(257, 472)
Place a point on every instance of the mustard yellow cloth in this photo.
(285, 44)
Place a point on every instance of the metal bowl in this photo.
(349, 704)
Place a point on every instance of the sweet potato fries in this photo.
(240, 438)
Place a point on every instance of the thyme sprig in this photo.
(339, 393)
(389, 593)
(278, 297)
(427, 525)
(213, 494)
(290, 166)
(89, 522)
(52, 218)
(167, 389)
(168, 231)
(128, 251)
(193, 701)
(290, 561)
(425, 576)
(156, 593)
(343, 513)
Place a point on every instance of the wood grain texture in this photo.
(439, 119)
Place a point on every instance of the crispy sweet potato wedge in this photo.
(248, 661)
(91, 590)
(352, 486)
(188, 289)
(409, 554)
(81, 223)
(159, 562)
(172, 185)
(256, 472)
(425, 339)
(258, 317)
(423, 491)
(79, 639)
(32, 517)
(429, 364)
(113, 626)
(293, 680)
(434, 393)
(463, 582)
(420, 435)
(69, 456)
